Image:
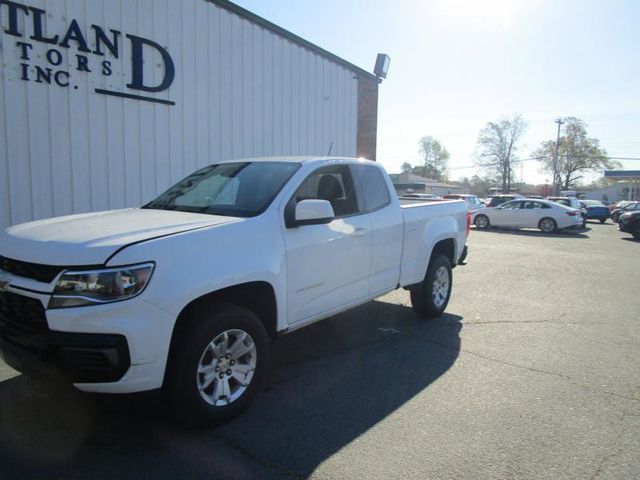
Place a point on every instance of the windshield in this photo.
(242, 189)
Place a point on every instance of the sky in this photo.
(458, 64)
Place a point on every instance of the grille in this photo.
(21, 315)
(35, 271)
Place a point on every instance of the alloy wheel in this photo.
(226, 367)
(440, 289)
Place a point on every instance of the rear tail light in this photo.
(468, 222)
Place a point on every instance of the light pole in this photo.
(556, 179)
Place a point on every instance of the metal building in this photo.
(104, 105)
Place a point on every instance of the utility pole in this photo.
(556, 176)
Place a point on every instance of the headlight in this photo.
(76, 289)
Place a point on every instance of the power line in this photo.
(531, 159)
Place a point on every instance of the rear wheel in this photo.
(217, 365)
(603, 220)
(482, 221)
(547, 225)
(430, 298)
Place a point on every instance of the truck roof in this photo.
(296, 159)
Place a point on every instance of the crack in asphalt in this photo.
(617, 450)
(555, 374)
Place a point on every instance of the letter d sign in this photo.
(137, 61)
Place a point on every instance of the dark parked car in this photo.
(620, 204)
(629, 207)
(572, 202)
(595, 210)
(497, 200)
(630, 223)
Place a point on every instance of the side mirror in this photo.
(313, 212)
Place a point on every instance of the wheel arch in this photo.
(446, 247)
(258, 296)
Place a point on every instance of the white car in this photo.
(186, 292)
(546, 215)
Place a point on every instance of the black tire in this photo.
(542, 225)
(483, 221)
(635, 231)
(603, 220)
(422, 295)
(188, 347)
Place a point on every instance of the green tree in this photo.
(406, 168)
(480, 185)
(435, 159)
(577, 154)
(498, 147)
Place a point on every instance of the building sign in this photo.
(55, 58)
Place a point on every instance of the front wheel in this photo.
(603, 220)
(481, 221)
(547, 225)
(635, 231)
(430, 298)
(217, 364)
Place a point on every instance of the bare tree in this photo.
(498, 146)
(577, 154)
(435, 157)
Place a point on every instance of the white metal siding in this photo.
(239, 91)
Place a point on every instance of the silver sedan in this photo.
(528, 213)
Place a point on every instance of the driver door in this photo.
(328, 265)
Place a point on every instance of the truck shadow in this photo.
(330, 383)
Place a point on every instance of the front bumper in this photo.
(68, 357)
(624, 227)
(112, 348)
(463, 257)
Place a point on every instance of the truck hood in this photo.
(90, 239)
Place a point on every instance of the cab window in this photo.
(334, 184)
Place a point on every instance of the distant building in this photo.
(627, 187)
(410, 183)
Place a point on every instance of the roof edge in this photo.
(263, 22)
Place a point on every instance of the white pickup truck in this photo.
(185, 292)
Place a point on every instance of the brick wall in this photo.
(367, 118)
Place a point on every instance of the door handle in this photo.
(359, 232)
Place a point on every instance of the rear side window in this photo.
(372, 187)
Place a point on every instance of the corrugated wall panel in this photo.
(239, 90)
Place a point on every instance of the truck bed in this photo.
(426, 222)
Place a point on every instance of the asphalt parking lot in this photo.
(534, 372)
